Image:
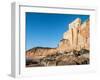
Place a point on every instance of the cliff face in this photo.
(76, 38)
(73, 48)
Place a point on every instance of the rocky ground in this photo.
(66, 58)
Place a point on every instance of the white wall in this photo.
(5, 40)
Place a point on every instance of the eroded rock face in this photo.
(73, 48)
(77, 37)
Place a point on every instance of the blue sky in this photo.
(46, 30)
